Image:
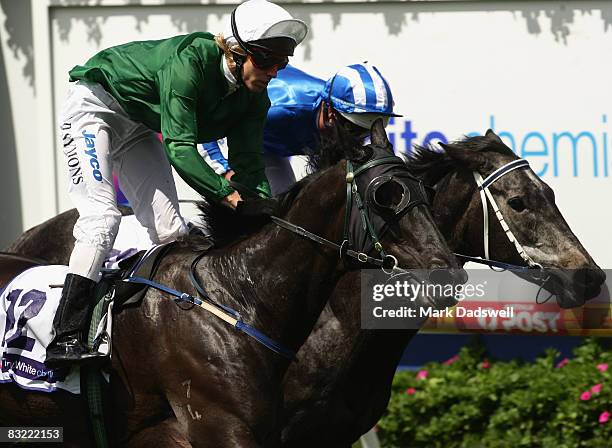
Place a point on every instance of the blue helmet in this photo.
(360, 94)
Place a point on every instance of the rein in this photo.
(388, 263)
(341, 248)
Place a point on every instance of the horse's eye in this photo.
(517, 204)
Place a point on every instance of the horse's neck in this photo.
(458, 215)
(279, 280)
(378, 350)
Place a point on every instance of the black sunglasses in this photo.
(265, 59)
(261, 56)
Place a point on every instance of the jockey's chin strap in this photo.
(487, 198)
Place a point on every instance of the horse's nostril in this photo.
(460, 276)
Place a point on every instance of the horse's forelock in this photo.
(432, 164)
(337, 144)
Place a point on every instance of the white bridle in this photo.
(486, 197)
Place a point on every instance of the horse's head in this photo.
(382, 211)
(363, 205)
(526, 204)
(397, 206)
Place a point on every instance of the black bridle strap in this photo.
(351, 190)
(349, 201)
(367, 224)
(493, 263)
(376, 162)
(360, 256)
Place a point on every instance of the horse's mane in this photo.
(432, 164)
(227, 227)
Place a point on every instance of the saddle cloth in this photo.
(27, 308)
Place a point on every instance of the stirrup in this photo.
(69, 350)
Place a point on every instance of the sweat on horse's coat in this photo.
(278, 281)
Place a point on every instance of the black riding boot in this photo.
(71, 323)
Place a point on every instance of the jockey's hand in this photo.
(232, 200)
(258, 207)
(228, 174)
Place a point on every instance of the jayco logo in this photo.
(91, 152)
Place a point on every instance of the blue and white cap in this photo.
(360, 94)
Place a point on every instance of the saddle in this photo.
(30, 301)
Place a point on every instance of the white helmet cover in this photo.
(261, 19)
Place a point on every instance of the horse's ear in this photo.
(378, 135)
(471, 159)
(492, 136)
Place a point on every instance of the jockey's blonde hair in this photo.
(229, 51)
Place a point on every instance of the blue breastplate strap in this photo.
(227, 314)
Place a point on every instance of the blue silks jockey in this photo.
(304, 108)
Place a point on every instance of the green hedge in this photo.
(469, 401)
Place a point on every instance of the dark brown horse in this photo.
(12, 264)
(185, 377)
(340, 390)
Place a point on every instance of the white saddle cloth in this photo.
(27, 308)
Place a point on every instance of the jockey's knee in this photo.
(95, 236)
(98, 231)
(168, 231)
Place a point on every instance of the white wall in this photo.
(17, 100)
(532, 70)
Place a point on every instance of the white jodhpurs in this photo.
(279, 173)
(98, 138)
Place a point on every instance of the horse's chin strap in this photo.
(486, 198)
